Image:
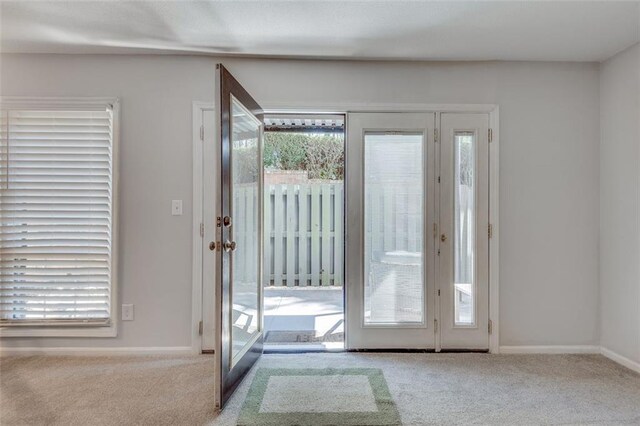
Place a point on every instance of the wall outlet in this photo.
(127, 312)
(176, 207)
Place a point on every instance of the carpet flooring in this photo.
(427, 388)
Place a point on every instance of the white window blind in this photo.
(56, 216)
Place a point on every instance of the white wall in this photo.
(549, 128)
(620, 203)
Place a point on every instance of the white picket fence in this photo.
(304, 230)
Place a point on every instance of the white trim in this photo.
(197, 310)
(81, 331)
(551, 349)
(494, 241)
(622, 360)
(347, 107)
(196, 260)
(350, 107)
(57, 102)
(93, 351)
(198, 108)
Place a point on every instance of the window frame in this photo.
(78, 330)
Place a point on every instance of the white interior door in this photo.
(390, 286)
(463, 282)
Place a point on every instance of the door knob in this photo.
(443, 238)
(229, 246)
(212, 246)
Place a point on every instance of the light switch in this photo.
(176, 207)
(127, 312)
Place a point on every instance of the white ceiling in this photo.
(416, 30)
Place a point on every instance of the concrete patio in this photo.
(307, 318)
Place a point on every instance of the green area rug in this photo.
(319, 396)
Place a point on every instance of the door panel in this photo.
(390, 183)
(239, 288)
(463, 242)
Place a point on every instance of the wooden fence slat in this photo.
(389, 235)
(303, 234)
(372, 214)
(338, 239)
(291, 236)
(326, 234)
(238, 234)
(315, 235)
(268, 241)
(278, 237)
(250, 236)
(401, 216)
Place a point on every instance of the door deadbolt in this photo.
(226, 221)
(212, 246)
(229, 246)
(443, 238)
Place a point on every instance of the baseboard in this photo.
(93, 351)
(551, 349)
(622, 360)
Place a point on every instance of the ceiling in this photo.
(388, 30)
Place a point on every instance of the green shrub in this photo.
(321, 155)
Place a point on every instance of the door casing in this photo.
(200, 161)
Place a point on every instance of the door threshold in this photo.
(297, 349)
(396, 350)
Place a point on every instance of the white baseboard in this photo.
(93, 351)
(551, 349)
(622, 360)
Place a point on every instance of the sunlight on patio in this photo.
(304, 318)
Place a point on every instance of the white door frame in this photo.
(344, 108)
(197, 308)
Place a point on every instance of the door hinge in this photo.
(490, 327)
(490, 231)
(435, 325)
(200, 328)
(201, 133)
(438, 179)
(490, 135)
(438, 292)
(435, 135)
(201, 229)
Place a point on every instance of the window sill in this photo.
(67, 331)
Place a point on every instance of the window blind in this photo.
(56, 175)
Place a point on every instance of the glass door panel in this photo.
(464, 227)
(394, 219)
(245, 265)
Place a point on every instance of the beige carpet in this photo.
(427, 389)
(117, 390)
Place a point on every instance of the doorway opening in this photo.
(303, 232)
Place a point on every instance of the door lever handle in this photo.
(229, 246)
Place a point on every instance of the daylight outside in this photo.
(303, 240)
